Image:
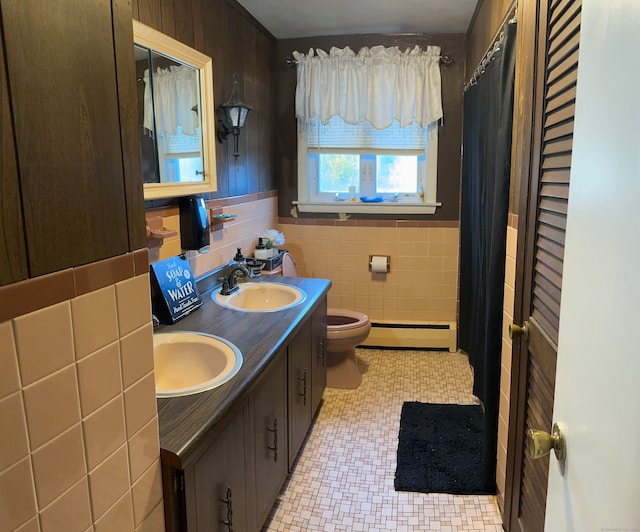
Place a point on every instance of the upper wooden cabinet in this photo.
(13, 254)
(71, 81)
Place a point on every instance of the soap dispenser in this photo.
(240, 259)
(260, 250)
(194, 224)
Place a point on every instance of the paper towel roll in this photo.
(379, 264)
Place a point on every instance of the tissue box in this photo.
(272, 262)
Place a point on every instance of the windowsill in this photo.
(355, 207)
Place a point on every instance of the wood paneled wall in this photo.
(450, 133)
(487, 22)
(485, 25)
(240, 46)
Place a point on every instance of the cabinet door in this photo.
(216, 493)
(299, 389)
(13, 254)
(270, 436)
(62, 78)
(319, 362)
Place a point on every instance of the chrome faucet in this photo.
(230, 283)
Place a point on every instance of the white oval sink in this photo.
(190, 362)
(261, 297)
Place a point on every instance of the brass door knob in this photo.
(541, 443)
(517, 330)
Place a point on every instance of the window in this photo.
(393, 170)
(341, 97)
(179, 158)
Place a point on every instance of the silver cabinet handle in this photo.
(228, 501)
(275, 439)
(304, 387)
(321, 355)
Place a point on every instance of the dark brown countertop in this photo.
(188, 423)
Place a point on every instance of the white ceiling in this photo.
(306, 18)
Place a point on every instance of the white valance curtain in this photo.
(380, 85)
(175, 93)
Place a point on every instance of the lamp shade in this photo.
(235, 109)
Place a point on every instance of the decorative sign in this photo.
(174, 291)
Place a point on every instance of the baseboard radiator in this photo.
(431, 335)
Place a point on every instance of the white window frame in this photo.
(427, 181)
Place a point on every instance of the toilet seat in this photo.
(352, 319)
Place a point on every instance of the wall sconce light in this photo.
(235, 113)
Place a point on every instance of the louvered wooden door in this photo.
(553, 106)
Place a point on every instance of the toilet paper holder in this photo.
(379, 263)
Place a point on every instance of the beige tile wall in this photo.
(421, 286)
(252, 217)
(505, 373)
(79, 448)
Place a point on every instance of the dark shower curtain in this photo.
(488, 110)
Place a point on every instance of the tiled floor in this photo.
(343, 479)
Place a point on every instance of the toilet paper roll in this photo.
(379, 264)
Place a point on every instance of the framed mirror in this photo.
(177, 115)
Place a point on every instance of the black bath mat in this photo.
(440, 449)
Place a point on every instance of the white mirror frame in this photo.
(159, 42)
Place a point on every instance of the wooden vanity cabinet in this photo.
(215, 486)
(299, 389)
(318, 353)
(307, 377)
(235, 482)
(270, 445)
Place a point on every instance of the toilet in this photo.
(345, 330)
